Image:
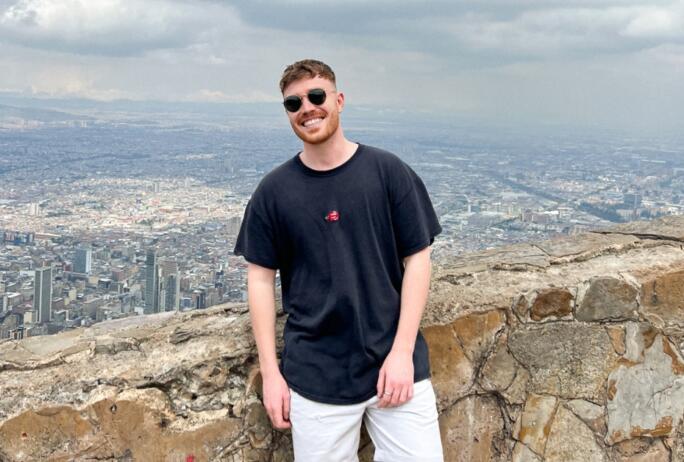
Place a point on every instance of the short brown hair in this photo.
(306, 68)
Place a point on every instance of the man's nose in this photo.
(307, 105)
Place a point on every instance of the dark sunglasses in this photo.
(315, 96)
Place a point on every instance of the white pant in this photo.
(331, 432)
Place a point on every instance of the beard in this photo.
(322, 133)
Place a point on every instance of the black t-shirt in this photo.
(338, 238)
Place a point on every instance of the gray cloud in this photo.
(504, 30)
(478, 33)
(117, 28)
(554, 30)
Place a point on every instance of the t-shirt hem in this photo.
(257, 261)
(414, 249)
(329, 400)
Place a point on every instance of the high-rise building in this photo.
(170, 287)
(33, 209)
(119, 273)
(233, 225)
(4, 302)
(152, 271)
(199, 299)
(42, 294)
(84, 258)
(169, 296)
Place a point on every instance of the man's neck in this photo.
(328, 155)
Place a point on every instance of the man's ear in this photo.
(340, 101)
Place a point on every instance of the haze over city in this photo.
(132, 134)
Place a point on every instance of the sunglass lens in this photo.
(292, 103)
(316, 96)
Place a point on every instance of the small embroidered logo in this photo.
(332, 216)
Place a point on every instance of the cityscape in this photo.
(109, 210)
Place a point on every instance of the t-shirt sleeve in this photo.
(256, 239)
(414, 219)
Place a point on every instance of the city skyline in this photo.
(92, 196)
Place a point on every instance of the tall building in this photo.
(199, 299)
(4, 302)
(233, 225)
(170, 286)
(173, 293)
(152, 271)
(42, 294)
(33, 209)
(83, 263)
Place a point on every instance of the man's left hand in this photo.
(395, 383)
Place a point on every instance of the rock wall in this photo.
(564, 350)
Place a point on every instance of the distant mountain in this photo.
(82, 105)
(8, 113)
(79, 108)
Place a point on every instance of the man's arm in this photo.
(261, 299)
(396, 374)
(414, 295)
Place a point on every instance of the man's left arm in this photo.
(396, 374)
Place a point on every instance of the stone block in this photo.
(473, 431)
(662, 299)
(646, 398)
(476, 332)
(554, 303)
(565, 359)
(607, 298)
(452, 372)
(571, 440)
(535, 422)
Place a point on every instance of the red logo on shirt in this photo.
(333, 215)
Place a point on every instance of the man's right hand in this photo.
(277, 400)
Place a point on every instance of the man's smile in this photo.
(313, 121)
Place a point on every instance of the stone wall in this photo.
(564, 350)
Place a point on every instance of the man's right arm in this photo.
(261, 299)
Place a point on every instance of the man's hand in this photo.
(277, 400)
(395, 383)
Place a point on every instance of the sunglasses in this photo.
(315, 96)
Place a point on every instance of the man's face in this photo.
(315, 124)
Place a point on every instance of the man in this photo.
(349, 227)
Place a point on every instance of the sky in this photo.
(602, 63)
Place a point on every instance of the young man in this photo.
(349, 226)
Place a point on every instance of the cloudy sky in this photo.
(606, 63)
